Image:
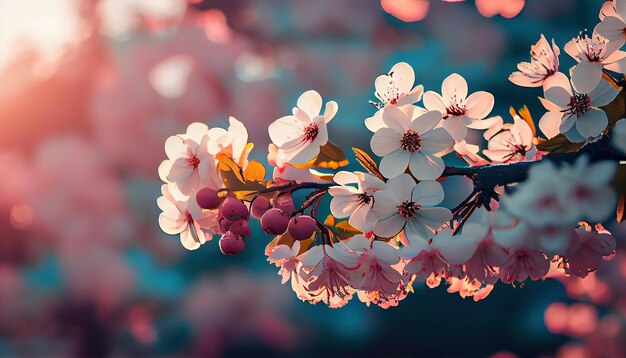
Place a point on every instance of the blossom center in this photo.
(310, 132)
(194, 161)
(579, 104)
(411, 141)
(456, 108)
(363, 198)
(408, 209)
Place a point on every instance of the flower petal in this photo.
(592, 123)
(479, 104)
(454, 86)
(395, 163)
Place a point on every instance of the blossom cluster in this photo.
(538, 198)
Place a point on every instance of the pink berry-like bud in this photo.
(301, 227)
(260, 206)
(274, 222)
(232, 244)
(284, 202)
(241, 227)
(233, 209)
(208, 198)
(224, 225)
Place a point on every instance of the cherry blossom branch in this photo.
(490, 176)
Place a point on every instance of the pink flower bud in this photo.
(259, 206)
(232, 244)
(233, 209)
(284, 202)
(208, 199)
(241, 227)
(274, 222)
(301, 227)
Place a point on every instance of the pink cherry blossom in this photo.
(396, 87)
(355, 202)
(402, 204)
(544, 63)
(590, 249)
(484, 263)
(593, 54)
(379, 269)
(412, 143)
(514, 144)
(522, 264)
(436, 256)
(469, 288)
(330, 274)
(573, 113)
(286, 258)
(186, 153)
(185, 218)
(459, 109)
(469, 153)
(300, 136)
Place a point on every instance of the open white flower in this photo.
(404, 205)
(355, 202)
(593, 54)
(459, 109)
(412, 143)
(300, 135)
(613, 25)
(185, 218)
(396, 87)
(186, 154)
(544, 63)
(514, 144)
(575, 114)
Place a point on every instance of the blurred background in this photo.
(90, 90)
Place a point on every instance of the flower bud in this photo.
(231, 244)
(208, 198)
(241, 227)
(274, 222)
(301, 227)
(284, 202)
(259, 206)
(233, 209)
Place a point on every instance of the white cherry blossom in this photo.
(593, 54)
(186, 154)
(185, 218)
(613, 25)
(412, 143)
(300, 135)
(514, 144)
(544, 63)
(459, 110)
(396, 87)
(355, 202)
(404, 205)
(575, 114)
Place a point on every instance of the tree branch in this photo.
(490, 176)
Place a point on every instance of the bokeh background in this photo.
(90, 90)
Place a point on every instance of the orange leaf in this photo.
(367, 162)
(330, 156)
